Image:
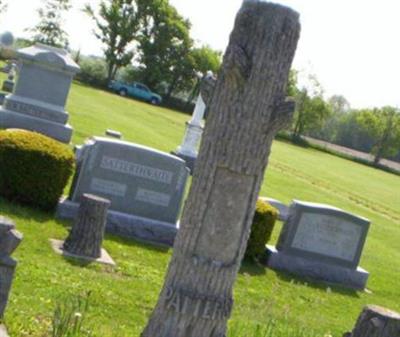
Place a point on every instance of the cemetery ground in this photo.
(122, 298)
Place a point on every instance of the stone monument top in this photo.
(55, 58)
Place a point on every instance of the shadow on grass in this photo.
(156, 247)
(319, 285)
(13, 209)
(252, 267)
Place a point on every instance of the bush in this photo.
(93, 71)
(34, 169)
(261, 229)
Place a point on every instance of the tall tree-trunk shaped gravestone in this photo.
(248, 107)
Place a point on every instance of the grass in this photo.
(122, 298)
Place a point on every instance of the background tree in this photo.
(384, 126)
(311, 113)
(49, 29)
(116, 27)
(3, 6)
(164, 46)
(205, 59)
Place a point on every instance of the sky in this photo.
(351, 46)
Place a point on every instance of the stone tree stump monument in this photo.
(247, 109)
(375, 321)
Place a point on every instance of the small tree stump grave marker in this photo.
(86, 236)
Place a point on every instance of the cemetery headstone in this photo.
(194, 128)
(10, 238)
(86, 236)
(375, 321)
(321, 242)
(247, 109)
(113, 134)
(41, 91)
(145, 187)
(8, 84)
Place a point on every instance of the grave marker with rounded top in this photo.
(247, 109)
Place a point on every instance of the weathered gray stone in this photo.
(38, 101)
(113, 134)
(140, 182)
(322, 242)
(9, 240)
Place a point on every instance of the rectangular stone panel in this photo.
(137, 180)
(230, 193)
(323, 233)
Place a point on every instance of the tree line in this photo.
(371, 130)
(143, 40)
(149, 41)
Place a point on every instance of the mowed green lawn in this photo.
(122, 298)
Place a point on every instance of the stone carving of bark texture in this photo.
(207, 87)
(376, 321)
(87, 233)
(247, 108)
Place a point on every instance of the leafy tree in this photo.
(292, 90)
(49, 28)
(311, 113)
(116, 27)
(384, 126)
(164, 45)
(3, 6)
(205, 59)
(339, 104)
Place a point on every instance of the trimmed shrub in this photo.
(34, 169)
(261, 229)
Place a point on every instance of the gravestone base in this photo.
(190, 161)
(350, 278)
(105, 258)
(127, 225)
(11, 119)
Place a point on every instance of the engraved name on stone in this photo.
(202, 306)
(153, 197)
(142, 171)
(327, 235)
(108, 187)
(27, 109)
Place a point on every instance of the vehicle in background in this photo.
(135, 90)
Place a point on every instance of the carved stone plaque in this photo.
(220, 240)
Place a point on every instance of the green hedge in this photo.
(34, 169)
(261, 229)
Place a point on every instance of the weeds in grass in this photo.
(69, 317)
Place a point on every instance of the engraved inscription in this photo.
(142, 171)
(221, 232)
(108, 187)
(152, 197)
(327, 235)
(28, 109)
(197, 305)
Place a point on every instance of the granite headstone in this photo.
(321, 242)
(9, 241)
(41, 91)
(145, 187)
